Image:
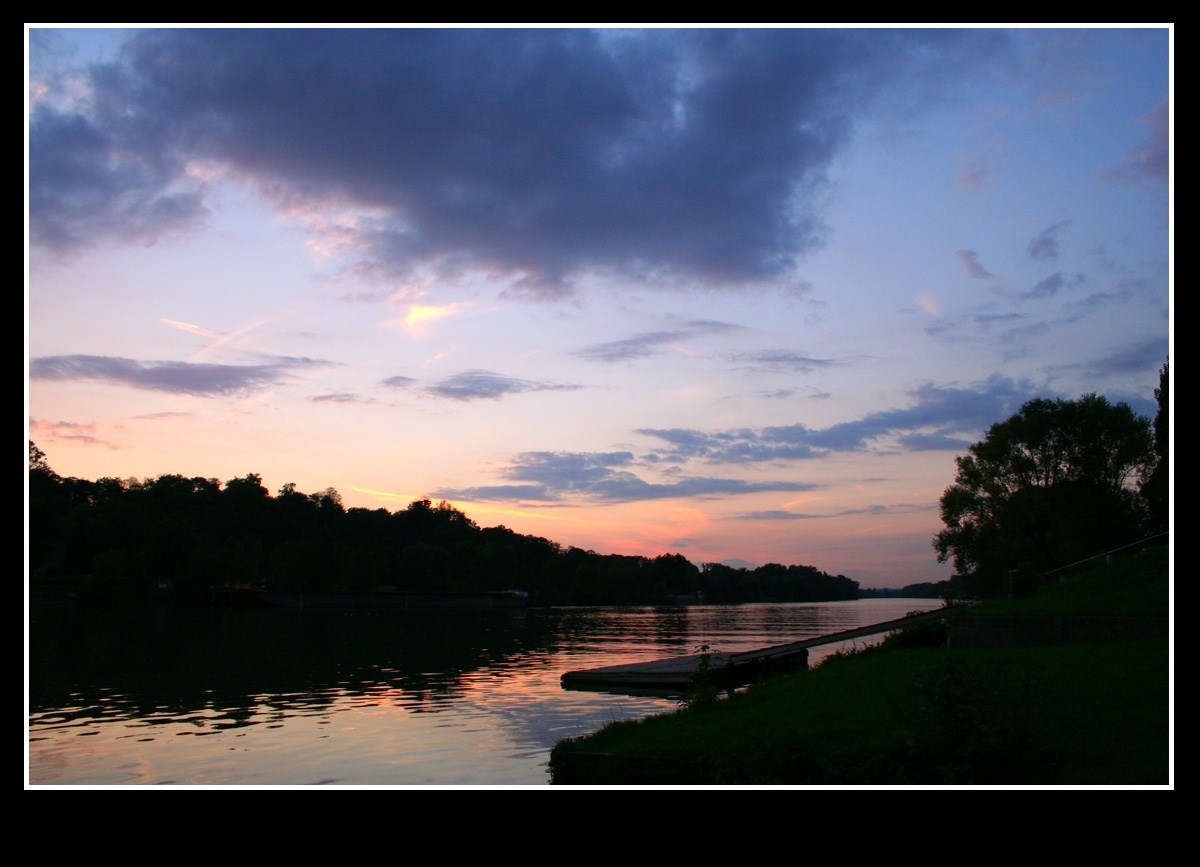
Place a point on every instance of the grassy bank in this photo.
(1086, 713)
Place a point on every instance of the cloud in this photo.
(180, 377)
(638, 346)
(783, 360)
(1151, 160)
(539, 155)
(86, 180)
(941, 417)
(986, 320)
(339, 397)
(1015, 339)
(783, 515)
(82, 433)
(933, 442)
(1049, 286)
(942, 327)
(1146, 356)
(1099, 300)
(400, 382)
(501, 493)
(484, 384)
(971, 262)
(651, 342)
(603, 477)
(1046, 287)
(1044, 246)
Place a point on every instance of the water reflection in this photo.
(136, 695)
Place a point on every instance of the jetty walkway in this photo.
(729, 669)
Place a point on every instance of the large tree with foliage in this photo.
(1050, 485)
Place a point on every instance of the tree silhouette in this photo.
(1048, 486)
(37, 459)
(184, 538)
(1157, 489)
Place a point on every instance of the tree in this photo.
(37, 460)
(1157, 490)
(1048, 486)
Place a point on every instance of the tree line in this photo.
(113, 538)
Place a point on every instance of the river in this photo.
(156, 695)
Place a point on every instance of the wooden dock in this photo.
(728, 669)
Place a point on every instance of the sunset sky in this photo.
(736, 294)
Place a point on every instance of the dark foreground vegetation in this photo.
(917, 711)
(185, 538)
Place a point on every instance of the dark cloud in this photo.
(937, 420)
(1044, 246)
(181, 377)
(1151, 160)
(971, 261)
(85, 182)
(604, 477)
(483, 384)
(538, 154)
(651, 342)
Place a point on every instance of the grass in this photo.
(1134, 585)
(1086, 713)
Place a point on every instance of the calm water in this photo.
(122, 696)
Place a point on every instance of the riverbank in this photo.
(1088, 712)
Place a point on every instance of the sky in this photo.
(743, 295)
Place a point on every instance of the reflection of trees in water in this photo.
(229, 665)
(153, 661)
